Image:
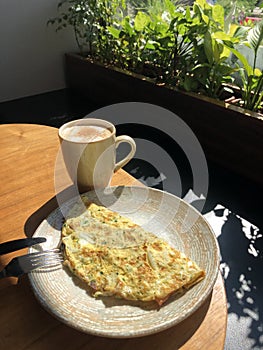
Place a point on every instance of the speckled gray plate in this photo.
(164, 214)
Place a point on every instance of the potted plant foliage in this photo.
(182, 57)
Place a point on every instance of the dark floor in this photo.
(232, 206)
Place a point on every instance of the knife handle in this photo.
(11, 246)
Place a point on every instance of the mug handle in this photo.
(124, 161)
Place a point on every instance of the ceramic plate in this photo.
(168, 217)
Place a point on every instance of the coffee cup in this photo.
(89, 151)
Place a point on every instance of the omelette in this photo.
(116, 257)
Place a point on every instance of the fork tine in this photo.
(44, 252)
(44, 259)
(51, 252)
(29, 262)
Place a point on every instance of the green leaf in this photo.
(152, 45)
(255, 36)
(159, 28)
(257, 72)
(217, 50)
(127, 28)
(243, 60)
(205, 18)
(202, 3)
(218, 15)
(197, 9)
(201, 72)
(123, 4)
(114, 32)
(225, 53)
(141, 21)
(208, 47)
(224, 69)
(169, 5)
(239, 32)
(188, 13)
(220, 35)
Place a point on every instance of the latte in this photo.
(86, 133)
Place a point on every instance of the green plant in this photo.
(184, 46)
(129, 39)
(89, 20)
(209, 67)
(187, 47)
(78, 15)
(143, 41)
(251, 76)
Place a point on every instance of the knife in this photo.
(11, 246)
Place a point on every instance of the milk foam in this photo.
(86, 133)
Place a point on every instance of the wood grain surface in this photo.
(28, 154)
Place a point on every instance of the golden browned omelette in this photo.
(116, 257)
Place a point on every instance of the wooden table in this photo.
(28, 154)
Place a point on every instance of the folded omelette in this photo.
(116, 257)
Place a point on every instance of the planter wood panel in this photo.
(229, 137)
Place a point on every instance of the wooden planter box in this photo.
(230, 136)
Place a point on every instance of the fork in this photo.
(26, 263)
